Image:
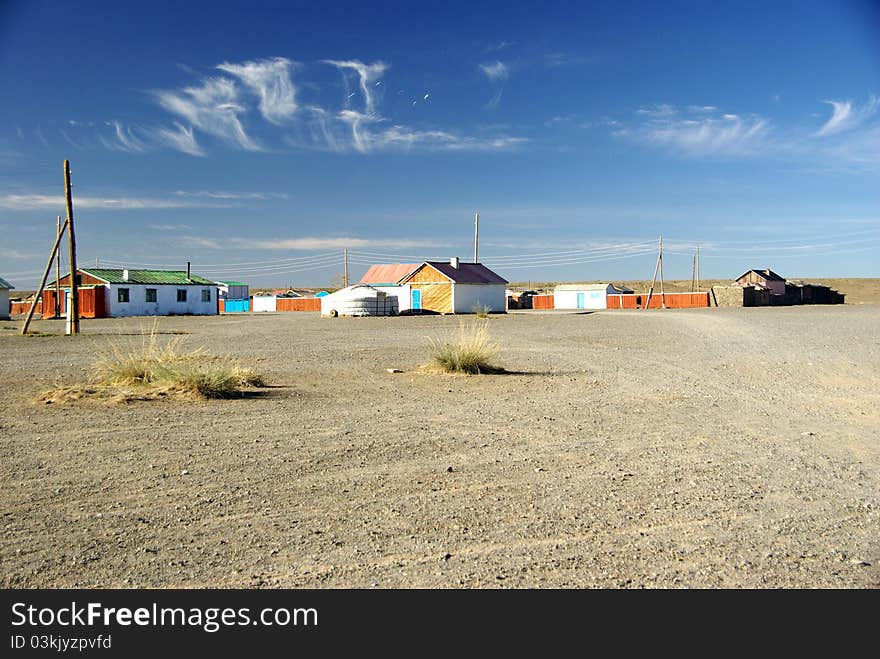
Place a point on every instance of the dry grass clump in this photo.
(469, 351)
(159, 369)
(481, 310)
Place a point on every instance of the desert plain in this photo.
(702, 448)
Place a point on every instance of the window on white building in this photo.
(122, 295)
(151, 295)
(181, 295)
(206, 295)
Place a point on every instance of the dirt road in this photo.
(687, 448)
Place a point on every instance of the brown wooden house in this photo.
(765, 278)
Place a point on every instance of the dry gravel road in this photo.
(687, 448)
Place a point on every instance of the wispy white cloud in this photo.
(222, 194)
(367, 75)
(14, 254)
(125, 139)
(24, 202)
(330, 243)
(500, 45)
(270, 80)
(170, 227)
(197, 241)
(846, 115)
(495, 71)
(214, 108)
(181, 138)
(701, 132)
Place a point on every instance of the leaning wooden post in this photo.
(58, 273)
(39, 293)
(74, 292)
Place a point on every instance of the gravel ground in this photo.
(687, 448)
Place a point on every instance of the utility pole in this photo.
(58, 272)
(476, 236)
(698, 268)
(39, 293)
(662, 294)
(654, 278)
(694, 273)
(345, 268)
(74, 289)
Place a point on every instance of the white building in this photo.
(585, 296)
(5, 287)
(123, 292)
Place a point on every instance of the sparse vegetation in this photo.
(469, 351)
(481, 310)
(160, 369)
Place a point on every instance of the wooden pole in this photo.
(662, 294)
(71, 235)
(476, 237)
(653, 279)
(698, 268)
(39, 293)
(58, 273)
(345, 268)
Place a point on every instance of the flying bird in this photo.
(378, 83)
(426, 96)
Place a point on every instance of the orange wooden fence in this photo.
(298, 304)
(672, 300)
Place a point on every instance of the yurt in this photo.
(359, 300)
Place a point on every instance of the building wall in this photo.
(436, 298)
(568, 299)
(775, 287)
(263, 303)
(428, 275)
(4, 304)
(92, 302)
(467, 296)
(166, 303)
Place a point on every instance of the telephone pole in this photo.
(74, 289)
(476, 236)
(698, 268)
(345, 268)
(58, 272)
(662, 294)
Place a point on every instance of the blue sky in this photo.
(259, 139)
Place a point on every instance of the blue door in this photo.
(580, 301)
(416, 297)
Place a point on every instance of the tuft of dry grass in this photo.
(481, 310)
(469, 351)
(158, 369)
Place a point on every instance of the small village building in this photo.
(114, 293)
(5, 307)
(765, 278)
(455, 287)
(234, 296)
(585, 296)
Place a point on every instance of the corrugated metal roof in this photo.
(467, 273)
(388, 273)
(231, 283)
(5, 284)
(172, 277)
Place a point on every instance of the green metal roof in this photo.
(232, 283)
(5, 284)
(171, 277)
